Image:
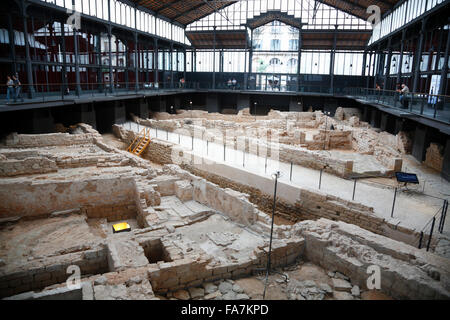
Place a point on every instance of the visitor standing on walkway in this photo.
(9, 89)
(17, 88)
(403, 96)
(234, 82)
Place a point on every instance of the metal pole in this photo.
(192, 143)
(271, 233)
(320, 178)
(393, 204)
(326, 126)
(224, 152)
(207, 147)
(420, 240)
(265, 166)
(354, 189)
(443, 215)
(290, 176)
(167, 135)
(179, 139)
(444, 71)
(243, 158)
(418, 57)
(431, 233)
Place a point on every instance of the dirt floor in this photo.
(29, 240)
(284, 284)
(277, 288)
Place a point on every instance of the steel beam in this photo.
(418, 57)
(444, 71)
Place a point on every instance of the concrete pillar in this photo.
(399, 125)
(159, 105)
(212, 103)
(420, 143)
(375, 118)
(446, 163)
(41, 121)
(82, 113)
(387, 123)
(366, 114)
(87, 115)
(173, 101)
(139, 108)
(295, 105)
(243, 101)
(143, 109)
(119, 112)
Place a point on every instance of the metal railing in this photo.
(424, 104)
(440, 228)
(43, 92)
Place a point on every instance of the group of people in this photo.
(402, 90)
(231, 84)
(13, 87)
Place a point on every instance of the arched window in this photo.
(292, 65)
(275, 61)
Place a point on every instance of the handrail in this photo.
(394, 91)
(134, 141)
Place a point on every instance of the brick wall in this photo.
(435, 157)
(52, 270)
(35, 165)
(34, 199)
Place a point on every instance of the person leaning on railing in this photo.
(404, 91)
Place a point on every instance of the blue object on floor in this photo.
(407, 177)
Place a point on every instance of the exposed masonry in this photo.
(308, 205)
(291, 128)
(187, 231)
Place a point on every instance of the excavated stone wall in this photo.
(435, 157)
(32, 165)
(405, 272)
(160, 151)
(102, 197)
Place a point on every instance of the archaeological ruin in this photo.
(200, 224)
(203, 155)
